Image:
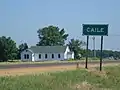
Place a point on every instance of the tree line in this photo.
(49, 36)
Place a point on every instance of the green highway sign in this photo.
(95, 29)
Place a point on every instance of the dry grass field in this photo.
(68, 79)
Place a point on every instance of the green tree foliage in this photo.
(8, 49)
(76, 47)
(21, 48)
(51, 35)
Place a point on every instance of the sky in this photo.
(20, 19)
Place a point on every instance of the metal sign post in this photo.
(95, 30)
(87, 52)
(101, 53)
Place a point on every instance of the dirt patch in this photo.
(34, 70)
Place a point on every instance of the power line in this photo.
(109, 34)
(113, 34)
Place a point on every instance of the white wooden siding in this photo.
(72, 55)
(49, 56)
(35, 56)
(26, 52)
(65, 54)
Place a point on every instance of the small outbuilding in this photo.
(42, 53)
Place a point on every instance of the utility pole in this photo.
(94, 52)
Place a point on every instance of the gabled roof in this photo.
(47, 49)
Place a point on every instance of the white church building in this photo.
(42, 53)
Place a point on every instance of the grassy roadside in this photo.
(55, 61)
(42, 62)
(51, 61)
(80, 79)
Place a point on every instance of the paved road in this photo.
(49, 64)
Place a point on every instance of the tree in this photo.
(106, 54)
(8, 49)
(51, 35)
(76, 47)
(21, 48)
